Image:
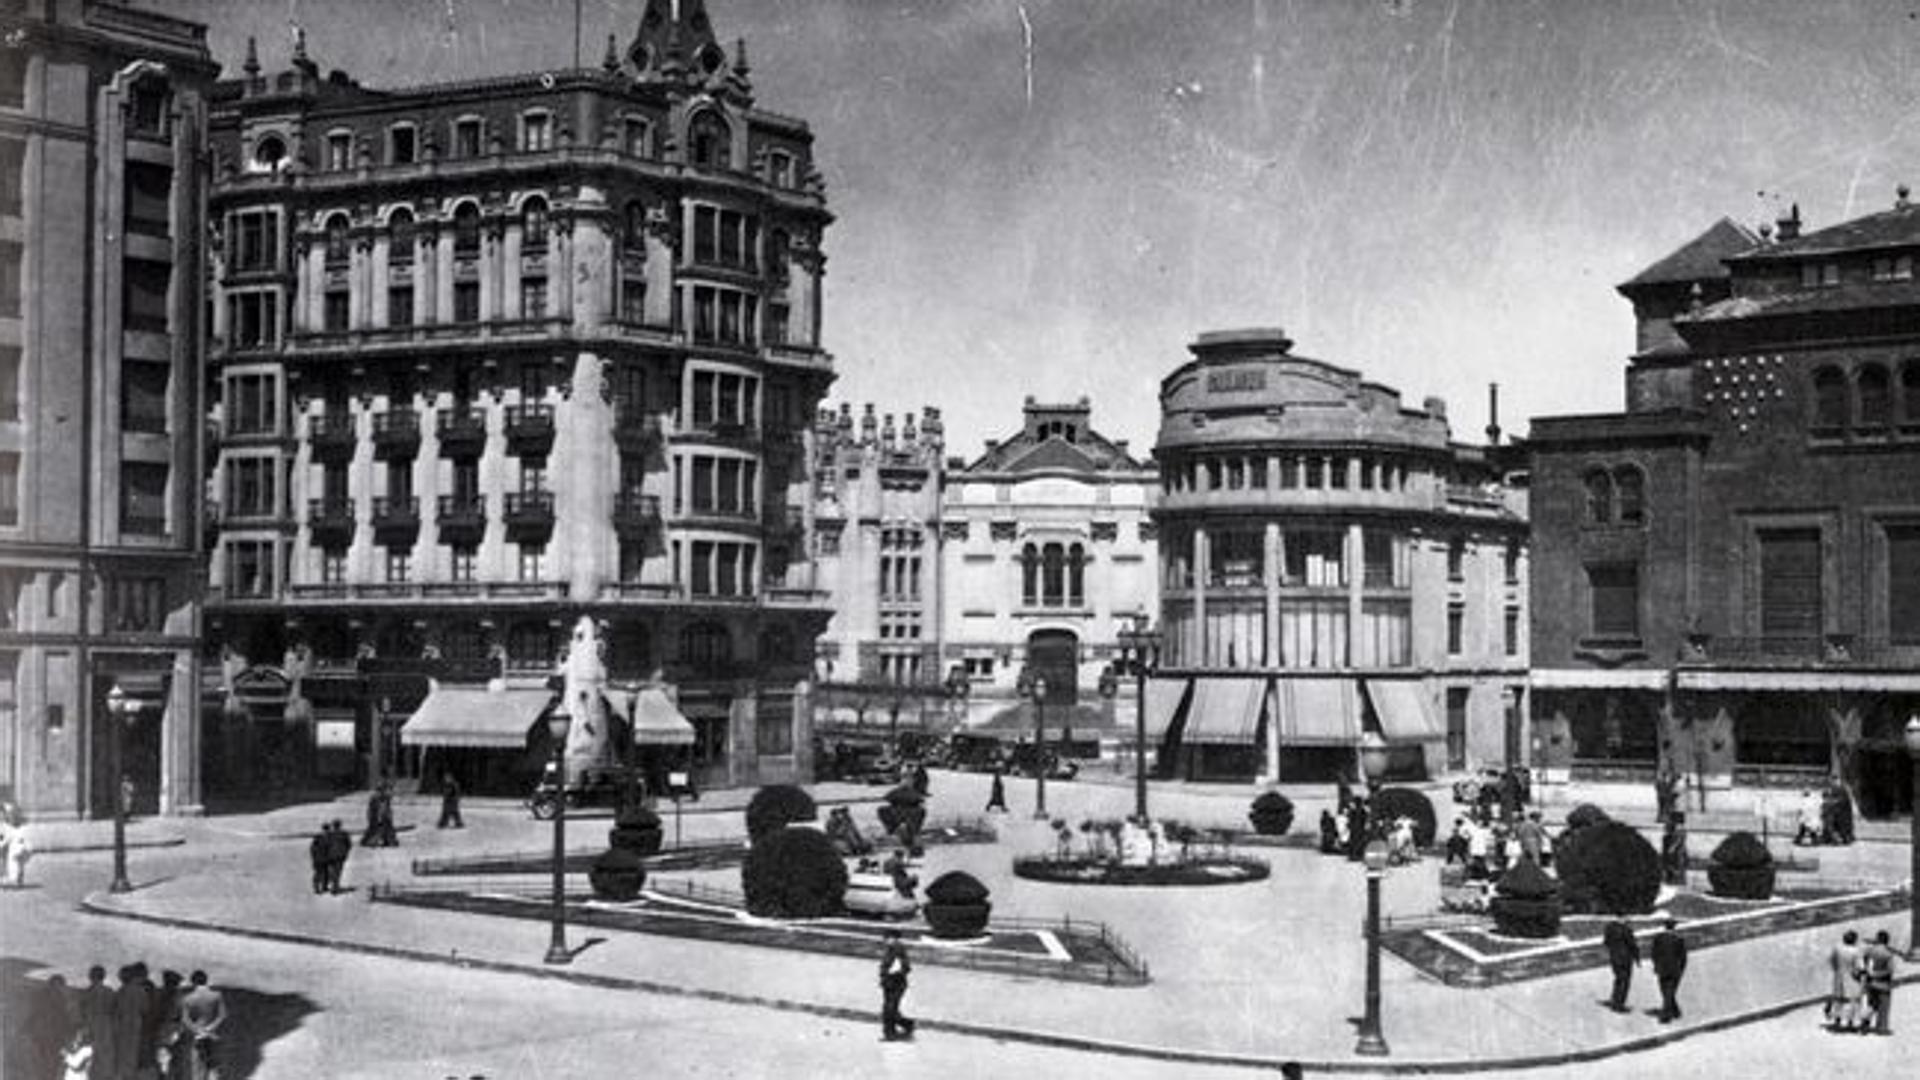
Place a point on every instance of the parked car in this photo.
(975, 753)
(595, 785)
(1027, 760)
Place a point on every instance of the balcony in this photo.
(332, 436)
(396, 518)
(396, 435)
(1804, 652)
(635, 432)
(461, 519)
(330, 521)
(461, 431)
(635, 514)
(529, 430)
(529, 515)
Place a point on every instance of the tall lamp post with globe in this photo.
(1913, 926)
(121, 710)
(1140, 642)
(558, 722)
(1373, 760)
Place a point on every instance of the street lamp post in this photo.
(1138, 640)
(119, 709)
(1373, 759)
(557, 724)
(1040, 748)
(1913, 885)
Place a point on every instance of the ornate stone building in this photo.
(492, 355)
(102, 113)
(1727, 574)
(1331, 562)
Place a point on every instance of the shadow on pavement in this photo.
(34, 1021)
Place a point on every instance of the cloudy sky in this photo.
(1053, 197)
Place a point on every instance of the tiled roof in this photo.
(1703, 257)
(1022, 453)
(1851, 296)
(1898, 227)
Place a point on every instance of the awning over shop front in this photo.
(475, 716)
(1598, 679)
(1404, 712)
(1901, 682)
(1225, 711)
(1163, 701)
(656, 722)
(1318, 712)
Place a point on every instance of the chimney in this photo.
(1790, 225)
(1900, 200)
(1493, 414)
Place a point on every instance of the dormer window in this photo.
(466, 138)
(710, 141)
(269, 153)
(402, 144)
(536, 132)
(339, 151)
(780, 169)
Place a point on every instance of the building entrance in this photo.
(1054, 655)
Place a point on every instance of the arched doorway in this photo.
(1054, 655)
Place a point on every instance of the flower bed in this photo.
(1215, 870)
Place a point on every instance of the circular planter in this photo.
(617, 875)
(1214, 871)
(1271, 814)
(958, 920)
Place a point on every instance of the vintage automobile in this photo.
(1026, 760)
(595, 785)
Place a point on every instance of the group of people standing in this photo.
(1862, 997)
(328, 851)
(135, 1031)
(1669, 951)
(1488, 848)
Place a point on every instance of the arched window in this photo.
(1910, 392)
(337, 249)
(711, 141)
(466, 230)
(1029, 576)
(1829, 399)
(533, 225)
(1876, 397)
(1076, 576)
(1053, 576)
(1599, 498)
(270, 153)
(633, 236)
(1630, 489)
(401, 236)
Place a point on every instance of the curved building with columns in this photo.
(1332, 562)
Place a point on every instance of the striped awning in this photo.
(1901, 682)
(476, 717)
(1225, 711)
(1163, 703)
(1404, 711)
(1598, 679)
(1318, 712)
(656, 722)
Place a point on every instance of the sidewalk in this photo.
(68, 837)
(1248, 975)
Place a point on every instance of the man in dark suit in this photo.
(1623, 955)
(1669, 964)
(320, 853)
(337, 853)
(894, 967)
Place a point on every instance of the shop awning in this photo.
(657, 723)
(1899, 682)
(1404, 712)
(1225, 711)
(1163, 701)
(475, 716)
(1318, 712)
(1598, 679)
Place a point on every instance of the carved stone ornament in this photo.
(1105, 530)
(1004, 530)
(954, 530)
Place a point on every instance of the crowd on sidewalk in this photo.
(134, 1030)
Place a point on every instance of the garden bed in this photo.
(1213, 870)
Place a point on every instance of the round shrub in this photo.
(1391, 804)
(957, 906)
(1584, 815)
(1526, 903)
(1741, 868)
(1607, 867)
(1271, 814)
(635, 838)
(794, 874)
(618, 874)
(957, 887)
(775, 806)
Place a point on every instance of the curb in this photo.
(1054, 1040)
(132, 845)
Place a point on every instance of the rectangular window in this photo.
(400, 305)
(466, 139)
(1316, 557)
(463, 559)
(533, 298)
(1456, 727)
(250, 568)
(149, 112)
(13, 162)
(9, 489)
(1337, 473)
(143, 396)
(333, 566)
(1456, 629)
(633, 559)
(1903, 584)
(144, 292)
(1791, 608)
(149, 198)
(773, 733)
(633, 299)
(337, 308)
(466, 301)
(1511, 625)
(398, 565)
(1510, 563)
(536, 132)
(250, 487)
(339, 152)
(255, 320)
(780, 170)
(136, 605)
(533, 562)
(400, 145)
(1456, 559)
(1614, 594)
(9, 382)
(252, 242)
(13, 83)
(1315, 466)
(143, 498)
(1378, 547)
(639, 137)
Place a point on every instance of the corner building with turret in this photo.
(489, 356)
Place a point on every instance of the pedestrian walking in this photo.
(1843, 1004)
(1669, 965)
(1329, 833)
(1532, 837)
(320, 853)
(894, 969)
(337, 852)
(202, 1012)
(1623, 955)
(1877, 963)
(1457, 842)
(96, 1014)
(1479, 850)
(997, 795)
(450, 803)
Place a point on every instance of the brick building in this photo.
(1331, 562)
(101, 119)
(493, 355)
(1726, 576)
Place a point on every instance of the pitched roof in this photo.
(1851, 296)
(1897, 227)
(1702, 257)
(1025, 452)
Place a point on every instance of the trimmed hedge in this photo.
(957, 906)
(957, 887)
(1389, 805)
(618, 874)
(1271, 814)
(778, 805)
(1741, 868)
(1526, 903)
(1607, 867)
(635, 838)
(794, 874)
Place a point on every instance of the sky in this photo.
(1053, 198)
